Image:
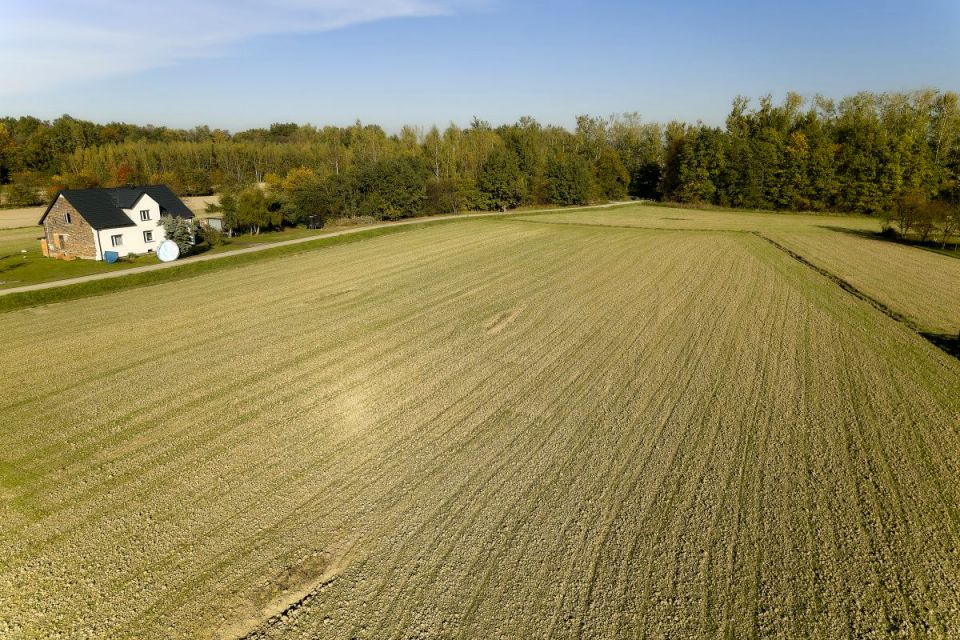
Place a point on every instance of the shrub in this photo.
(209, 236)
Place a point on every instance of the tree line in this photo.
(867, 153)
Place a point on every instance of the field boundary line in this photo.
(943, 342)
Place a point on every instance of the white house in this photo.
(86, 223)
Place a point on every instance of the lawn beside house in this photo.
(22, 263)
(18, 269)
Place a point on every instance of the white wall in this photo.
(133, 241)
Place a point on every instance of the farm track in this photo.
(490, 429)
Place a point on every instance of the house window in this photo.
(67, 218)
(148, 236)
(144, 214)
(117, 240)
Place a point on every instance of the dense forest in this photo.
(867, 153)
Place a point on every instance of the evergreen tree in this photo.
(181, 231)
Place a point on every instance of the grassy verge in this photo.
(245, 240)
(14, 301)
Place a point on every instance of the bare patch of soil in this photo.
(499, 322)
(280, 596)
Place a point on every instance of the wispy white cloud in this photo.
(46, 44)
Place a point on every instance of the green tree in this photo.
(676, 138)
(641, 148)
(393, 188)
(612, 178)
(228, 208)
(254, 210)
(591, 137)
(25, 189)
(451, 195)
(701, 166)
(7, 154)
(303, 196)
(569, 180)
(499, 180)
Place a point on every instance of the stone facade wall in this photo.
(77, 235)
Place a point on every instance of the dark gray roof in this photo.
(170, 204)
(101, 208)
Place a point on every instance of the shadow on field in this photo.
(863, 233)
(947, 342)
(950, 249)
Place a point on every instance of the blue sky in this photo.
(239, 64)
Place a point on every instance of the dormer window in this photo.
(67, 218)
(144, 214)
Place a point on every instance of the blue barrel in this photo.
(110, 256)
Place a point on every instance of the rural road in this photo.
(282, 243)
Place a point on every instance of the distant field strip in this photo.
(481, 429)
(25, 217)
(661, 217)
(922, 285)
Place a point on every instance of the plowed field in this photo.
(489, 428)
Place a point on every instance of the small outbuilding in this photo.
(86, 223)
(212, 221)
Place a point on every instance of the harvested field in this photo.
(663, 217)
(490, 428)
(198, 204)
(24, 217)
